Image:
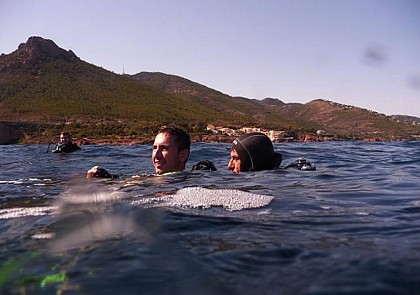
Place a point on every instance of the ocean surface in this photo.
(350, 227)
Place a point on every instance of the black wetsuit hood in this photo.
(256, 152)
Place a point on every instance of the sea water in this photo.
(350, 227)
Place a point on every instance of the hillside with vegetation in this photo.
(343, 121)
(45, 89)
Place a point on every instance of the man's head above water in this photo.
(65, 137)
(170, 153)
(253, 152)
(171, 150)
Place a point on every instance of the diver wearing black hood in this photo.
(253, 152)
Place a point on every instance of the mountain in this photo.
(40, 81)
(241, 110)
(50, 88)
(332, 117)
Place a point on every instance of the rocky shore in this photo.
(197, 138)
(11, 134)
(129, 141)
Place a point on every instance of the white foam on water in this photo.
(42, 236)
(198, 197)
(20, 181)
(23, 181)
(81, 196)
(24, 212)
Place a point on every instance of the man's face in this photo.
(165, 155)
(64, 139)
(235, 162)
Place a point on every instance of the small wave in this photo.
(35, 181)
(19, 181)
(43, 236)
(24, 212)
(89, 198)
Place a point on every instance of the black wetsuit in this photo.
(66, 148)
(302, 164)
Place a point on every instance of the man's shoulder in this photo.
(67, 148)
(75, 146)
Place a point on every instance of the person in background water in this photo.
(170, 153)
(253, 152)
(66, 145)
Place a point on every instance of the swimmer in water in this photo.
(170, 153)
(171, 150)
(253, 152)
(66, 145)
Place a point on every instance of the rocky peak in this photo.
(35, 51)
(272, 101)
(38, 49)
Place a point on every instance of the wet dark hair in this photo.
(182, 138)
(256, 152)
(204, 165)
(65, 133)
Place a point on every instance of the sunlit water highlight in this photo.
(350, 227)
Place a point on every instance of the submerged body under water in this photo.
(350, 227)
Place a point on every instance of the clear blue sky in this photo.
(364, 53)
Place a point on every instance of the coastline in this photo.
(142, 140)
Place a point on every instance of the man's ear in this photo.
(183, 155)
